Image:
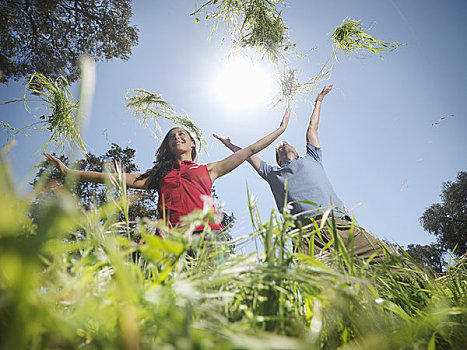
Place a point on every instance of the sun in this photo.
(242, 83)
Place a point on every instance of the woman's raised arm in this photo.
(222, 167)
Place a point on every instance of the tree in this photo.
(429, 256)
(448, 220)
(142, 203)
(227, 219)
(49, 36)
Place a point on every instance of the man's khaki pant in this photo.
(356, 240)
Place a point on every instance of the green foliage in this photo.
(351, 36)
(75, 279)
(429, 256)
(89, 194)
(148, 107)
(448, 220)
(252, 24)
(61, 120)
(49, 36)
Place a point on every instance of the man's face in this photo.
(285, 152)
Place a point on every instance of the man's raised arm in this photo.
(312, 131)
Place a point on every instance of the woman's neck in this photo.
(182, 157)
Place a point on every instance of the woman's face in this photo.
(180, 141)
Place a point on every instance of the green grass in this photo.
(74, 279)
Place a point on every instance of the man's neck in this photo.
(290, 157)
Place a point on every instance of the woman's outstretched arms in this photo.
(222, 167)
(94, 176)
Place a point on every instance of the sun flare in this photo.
(241, 84)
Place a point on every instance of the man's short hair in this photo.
(277, 153)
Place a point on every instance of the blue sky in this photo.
(382, 154)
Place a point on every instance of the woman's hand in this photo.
(56, 162)
(285, 120)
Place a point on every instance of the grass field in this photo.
(85, 279)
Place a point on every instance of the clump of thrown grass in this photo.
(61, 120)
(290, 86)
(148, 107)
(264, 28)
(252, 24)
(351, 36)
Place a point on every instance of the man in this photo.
(303, 183)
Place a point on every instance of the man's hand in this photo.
(323, 93)
(225, 140)
(56, 162)
(227, 143)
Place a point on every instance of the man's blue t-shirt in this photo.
(306, 180)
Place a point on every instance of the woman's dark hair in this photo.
(164, 161)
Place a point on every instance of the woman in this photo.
(181, 183)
